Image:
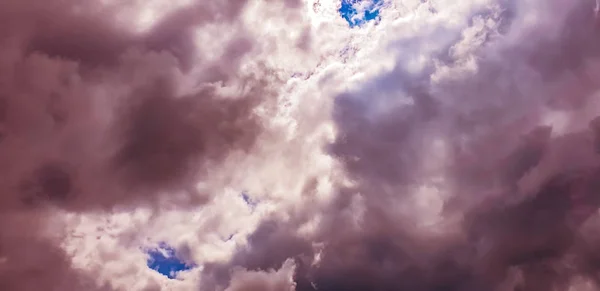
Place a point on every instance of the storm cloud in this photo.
(508, 191)
(469, 163)
(93, 117)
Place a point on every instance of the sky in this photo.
(166, 262)
(355, 16)
(299, 145)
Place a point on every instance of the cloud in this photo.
(252, 280)
(435, 153)
(97, 116)
(432, 149)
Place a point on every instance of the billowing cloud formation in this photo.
(447, 147)
(461, 179)
(96, 115)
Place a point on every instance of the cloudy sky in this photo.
(299, 145)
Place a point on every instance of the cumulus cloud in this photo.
(97, 116)
(456, 172)
(249, 280)
(445, 146)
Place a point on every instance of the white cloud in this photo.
(308, 56)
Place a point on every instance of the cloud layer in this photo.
(444, 147)
(95, 117)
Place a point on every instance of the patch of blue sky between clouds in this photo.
(359, 12)
(164, 260)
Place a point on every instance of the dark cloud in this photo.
(509, 237)
(31, 260)
(166, 137)
(153, 139)
(91, 118)
(62, 147)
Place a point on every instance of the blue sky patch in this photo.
(352, 12)
(164, 260)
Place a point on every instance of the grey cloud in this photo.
(63, 145)
(30, 259)
(269, 280)
(492, 147)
